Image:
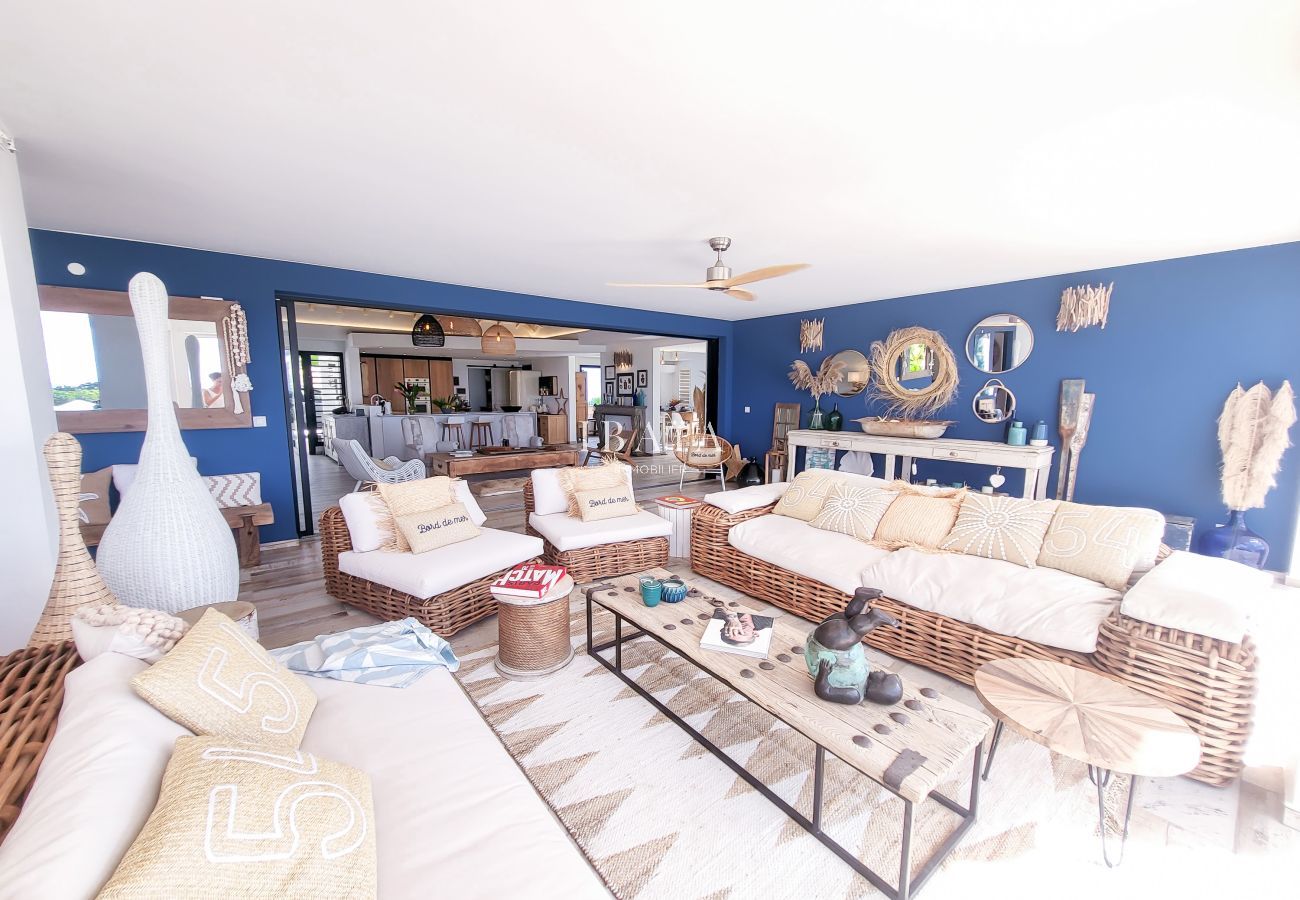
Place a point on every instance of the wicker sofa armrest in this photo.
(709, 529)
(31, 695)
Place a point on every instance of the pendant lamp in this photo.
(427, 332)
(460, 326)
(498, 341)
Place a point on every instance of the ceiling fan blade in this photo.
(637, 284)
(739, 294)
(767, 272)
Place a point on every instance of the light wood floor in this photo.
(289, 591)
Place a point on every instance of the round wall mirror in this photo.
(999, 343)
(854, 375)
(994, 403)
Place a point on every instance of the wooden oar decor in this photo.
(1076, 443)
(1071, 405)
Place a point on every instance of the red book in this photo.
(529, 580)
(678, 501)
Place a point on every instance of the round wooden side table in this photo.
(533, 635)
(243, 612)
(1090, 718)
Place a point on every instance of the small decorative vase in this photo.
(1039, 436)
(1017, 436)
(817, 418)
(652, 590)
(1235, 541)
(835, 421)
(167, 547)
(76, 580)
(674, 590)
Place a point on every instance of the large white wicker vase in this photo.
(167, 547)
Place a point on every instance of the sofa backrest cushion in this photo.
(548, 494)
(1102, 543)
(853, 510)
(918, 519)
(1005, 528)
(804, 497)
(370, 523)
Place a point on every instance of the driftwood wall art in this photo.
(810, 335)
(1084, 306)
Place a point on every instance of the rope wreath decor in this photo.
(886, 386)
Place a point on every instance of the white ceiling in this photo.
(550, 147)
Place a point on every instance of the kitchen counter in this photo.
(413, 437)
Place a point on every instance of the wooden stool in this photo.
(533, 635)
(243, 612)
(480, 433)
(453, 429)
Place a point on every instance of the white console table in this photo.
(1036, 462)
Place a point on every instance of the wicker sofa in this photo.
(1209, 683)
(591, 550)
(82, 757)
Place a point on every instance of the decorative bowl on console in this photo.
(909, 428)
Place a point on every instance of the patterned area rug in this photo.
(659, 817)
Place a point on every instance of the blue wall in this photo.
(255, 283)
(1181, 334)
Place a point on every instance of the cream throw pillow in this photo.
(854, 511)
(413, 497)
(220, 681)
(436, 528)
(918, 519)
(575, 479)
(238, 820)
(606, 503)
(1003, 528)
(804, 498)
(1101, 543)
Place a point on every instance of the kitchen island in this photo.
(416, 436)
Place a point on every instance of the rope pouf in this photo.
(534, 634)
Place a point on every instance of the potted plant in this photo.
(410, 393)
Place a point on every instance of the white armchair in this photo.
(363, 467)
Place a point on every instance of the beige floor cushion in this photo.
(1103, 543)
(919, 519)
(249, 821)
(567, 533)
(219, 681)
(1005, 528)
(95, 788)
(852, 510)
(835, 560)
(426, 575)
(1040, 605)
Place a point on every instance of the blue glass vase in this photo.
(1235, 541)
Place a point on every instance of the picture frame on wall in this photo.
(609, 373)
(642, 378)
(609, 391)
(625, 383)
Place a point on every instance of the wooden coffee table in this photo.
(909, 748)
(479, 464)
(1090, 718)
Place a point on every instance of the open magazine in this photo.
(742, 633)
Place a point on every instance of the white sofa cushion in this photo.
(470, 825)
(567, 533)
(745, 499)
(370, 524)
(96, 786)
(835, 560)
(425, 575)
(1200, 594)
(1043, 605)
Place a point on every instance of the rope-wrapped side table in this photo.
(533, 635)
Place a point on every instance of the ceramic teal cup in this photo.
(674, 590)
(652, 589)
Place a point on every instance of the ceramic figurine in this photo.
(836, 660)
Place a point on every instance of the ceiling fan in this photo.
(719, 278)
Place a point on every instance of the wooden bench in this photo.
(243, 520)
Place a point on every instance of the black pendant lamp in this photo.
(427, 332)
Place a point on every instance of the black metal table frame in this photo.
(908, 886)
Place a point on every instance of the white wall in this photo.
(28, 535)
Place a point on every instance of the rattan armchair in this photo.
(605, 561)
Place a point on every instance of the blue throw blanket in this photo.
(391, 654)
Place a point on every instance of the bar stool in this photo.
(453, 429)
(480, 432)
